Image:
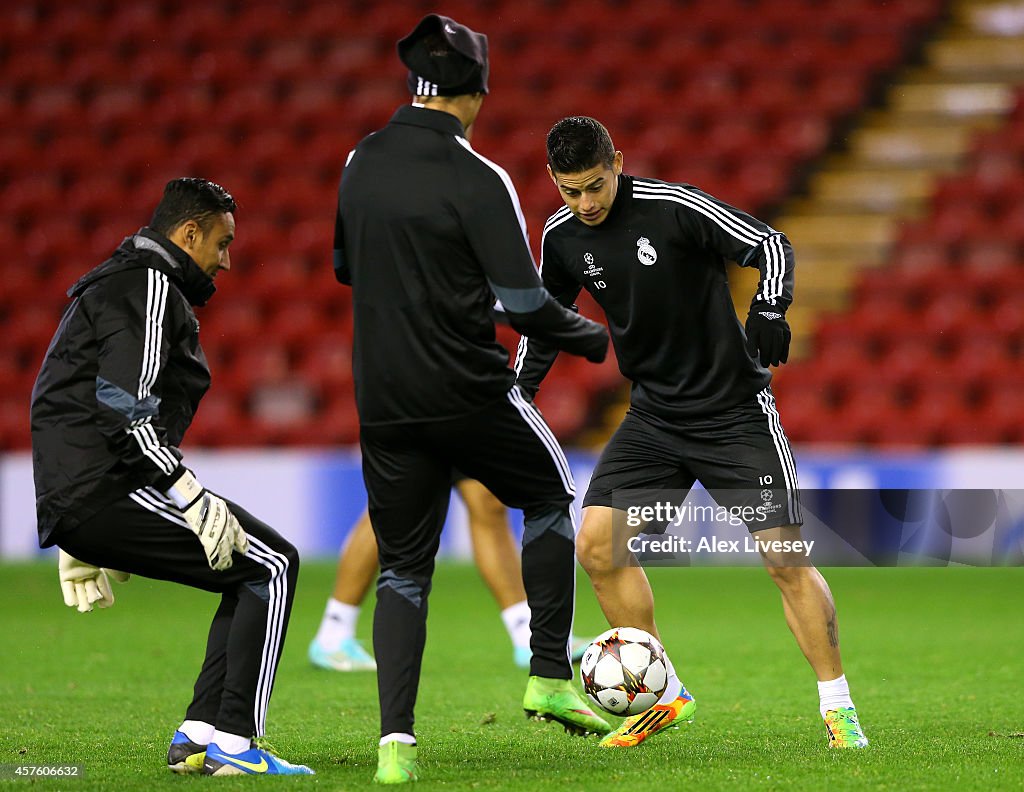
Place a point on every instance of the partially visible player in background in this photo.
(335, 646)
(117, 390)
(652, 255)
(428, 234)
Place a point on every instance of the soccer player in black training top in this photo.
(653, 255)
(116, 392)
(428, 234)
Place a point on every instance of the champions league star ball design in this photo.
(624, 671)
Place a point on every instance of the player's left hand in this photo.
(768, 335)
(84, 585)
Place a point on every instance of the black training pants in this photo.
(146, 534)
(508, 448)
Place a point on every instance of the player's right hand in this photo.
(84, 585)
(210, 519)
(768, 335)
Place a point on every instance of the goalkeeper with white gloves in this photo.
(118, 388)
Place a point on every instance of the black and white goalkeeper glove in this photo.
(210, 519)
(768, 335)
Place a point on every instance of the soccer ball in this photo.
(624, 671)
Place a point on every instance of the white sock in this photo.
(231, 743)
(674, 686)
(401, 737)
(834, 694)
(517, 622)
(199, 732)
(338, 624)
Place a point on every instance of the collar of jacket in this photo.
(437, 120)
(196, 285)
(147, 248)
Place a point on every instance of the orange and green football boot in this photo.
(635, 730)
(558, 701)
(844, 729)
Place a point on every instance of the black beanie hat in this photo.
(439, 71)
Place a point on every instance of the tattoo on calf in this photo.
(833, 629)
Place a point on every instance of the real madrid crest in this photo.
(645, 251)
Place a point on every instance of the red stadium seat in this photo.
(799, 136)
(911, 364)
(14, 421)
(564, 407)
(28, 67)
(28, 332)
(231, 322)
(294, 324)
(269, 98)
(999, 408)
(949, 317)
(863, 415)
(336, 423)
(219, 420)
(52, 243)
(326, 361)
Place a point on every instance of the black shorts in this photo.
(740, 455)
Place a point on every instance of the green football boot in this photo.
(396, 763)
(558, 700)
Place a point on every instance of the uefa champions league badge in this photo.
(646, 252)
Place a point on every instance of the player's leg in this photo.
(357, 564)
(494, 550)
(408, 487)
(260, 620)
(811, 615)
(335, 645)
(640, 463)
(145, 534)
(625, 596)
(806, 601)
(744, 459)
(510, 449)
(497, 558)
(622, 591)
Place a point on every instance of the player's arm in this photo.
(750, 243)
(134, 324)
(494, 224)
(534, 357)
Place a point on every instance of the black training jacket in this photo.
(428, 234)
(656, 266)
(120, 382)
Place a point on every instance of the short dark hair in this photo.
(187, 199)
(579, 143)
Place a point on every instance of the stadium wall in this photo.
(314, 497)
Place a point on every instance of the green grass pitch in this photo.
(934, 657)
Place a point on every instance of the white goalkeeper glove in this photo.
(210, 519)
(84, 585)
